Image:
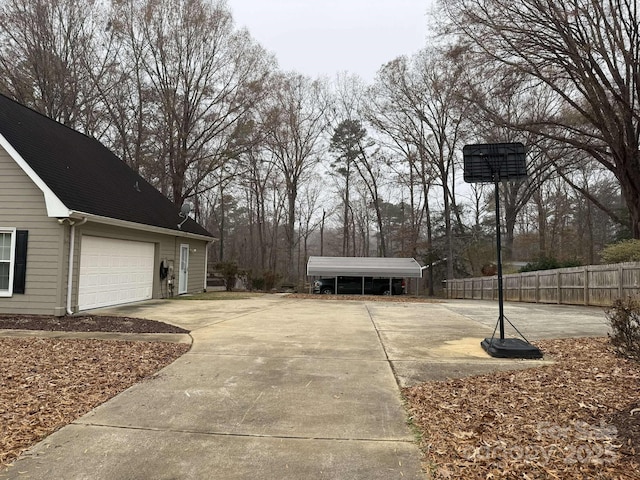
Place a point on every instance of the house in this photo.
(79, 229)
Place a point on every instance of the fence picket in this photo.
(597, 285)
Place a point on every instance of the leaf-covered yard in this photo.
(48, 383)
(576, 419)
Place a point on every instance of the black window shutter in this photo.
(20, 264)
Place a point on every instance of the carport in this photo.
(363, 267)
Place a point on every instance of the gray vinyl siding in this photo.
(197, 268)
(22, 207)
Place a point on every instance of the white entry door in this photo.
(114, 271)
(183, 274)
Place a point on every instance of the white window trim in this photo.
(12, 254)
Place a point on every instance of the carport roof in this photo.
(364, 267)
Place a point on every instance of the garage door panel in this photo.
(114, 271)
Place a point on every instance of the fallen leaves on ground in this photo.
(48, 383)
(86, 323)
(576, 419)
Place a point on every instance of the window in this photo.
(7, 251)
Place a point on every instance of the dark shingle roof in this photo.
(84, 174)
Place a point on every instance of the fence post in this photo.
(558, 287)
(620, 280)
(537, 289)
(519, 287)
(586, 285)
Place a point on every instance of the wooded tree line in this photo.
(280, 166)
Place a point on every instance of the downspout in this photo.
(72, 241)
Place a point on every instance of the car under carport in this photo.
(363, 267)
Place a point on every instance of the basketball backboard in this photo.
(492, 162)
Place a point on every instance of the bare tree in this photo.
(203, 76)
(420, 92)
(391, 112)
(259, 170)
(588, 53)
(309, 206)
(294, 123)
(45, 46)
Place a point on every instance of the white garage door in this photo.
(113, 272)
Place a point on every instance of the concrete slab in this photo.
(426, 342)
(281, 388)
(410, 373)
(536, 320)
(194, 314)
(247, 395)
(275, 388)
(319, 329)
(88, 453)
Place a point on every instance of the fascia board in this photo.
(138, 226)
(55, 207)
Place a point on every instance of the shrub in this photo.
(257, 283)
(270, 279)
(624, 318)
(624, 251)
(229, 271)
(548, 263)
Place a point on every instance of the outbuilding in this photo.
(79, 229)
(362, 268)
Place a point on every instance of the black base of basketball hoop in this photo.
(510, 348)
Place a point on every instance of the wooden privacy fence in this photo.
(597, 285)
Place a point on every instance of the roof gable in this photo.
(83, 174)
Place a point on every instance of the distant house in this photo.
(79, 229)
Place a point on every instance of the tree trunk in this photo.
(629, 178)
(292, 194)
(222, 226)
(542, 226)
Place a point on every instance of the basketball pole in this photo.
(495, 163)
(499, 255)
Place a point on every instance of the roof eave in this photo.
(139, 226)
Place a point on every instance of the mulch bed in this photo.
(576, 419)
(86, 323)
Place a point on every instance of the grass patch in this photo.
(220, 296)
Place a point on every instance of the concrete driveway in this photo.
(280, 388)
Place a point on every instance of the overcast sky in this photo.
(325, 37)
